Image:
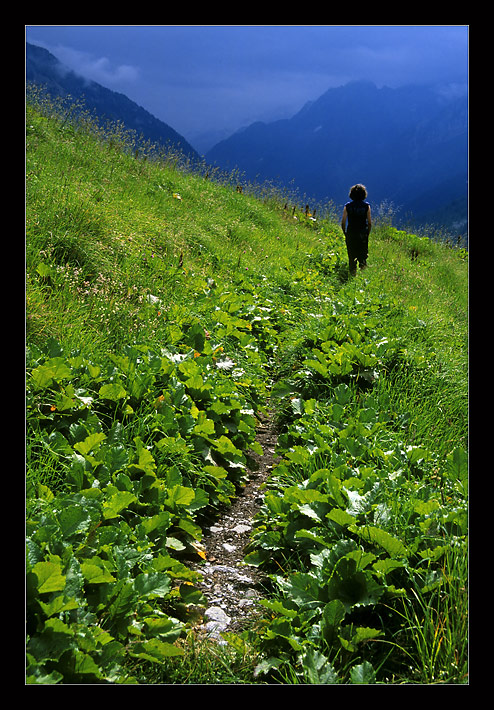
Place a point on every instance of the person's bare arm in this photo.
(343, 220)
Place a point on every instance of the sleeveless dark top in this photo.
(357, 211)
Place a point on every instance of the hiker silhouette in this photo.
(356, 225)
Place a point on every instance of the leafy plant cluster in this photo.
(145, 447)
(355, 522)
(165, 313)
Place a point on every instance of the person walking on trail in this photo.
(356, 225)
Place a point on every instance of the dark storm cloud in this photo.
(202, 77)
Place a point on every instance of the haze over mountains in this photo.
(46, 70)
(408, 145)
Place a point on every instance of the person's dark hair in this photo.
(358, 192)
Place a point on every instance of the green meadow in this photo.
(168, 308)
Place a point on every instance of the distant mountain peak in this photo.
(406, 145)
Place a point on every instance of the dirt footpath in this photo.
(230, 586)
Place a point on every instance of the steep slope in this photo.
(166, 315)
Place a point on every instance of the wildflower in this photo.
(159, 400)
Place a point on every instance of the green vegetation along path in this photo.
(167, 313)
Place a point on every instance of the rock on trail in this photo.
(230, 586)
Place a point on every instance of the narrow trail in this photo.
(230, 586)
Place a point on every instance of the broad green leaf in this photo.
(384, 567)
(195, 382)
(226, 448)
(180, 495)
(35, 675)
(309, 535)
(343, 394)
(281, 389)
(191, 528)
(317, 669)
(299, 455)
(94, 370)
(256, 447)
(58, 604)
(174, 544)
(124, 601)
(34, 552)
(75, 519)
(317, 367)
(267, 665)
(155, 650)
(310, 406)
(195, 337)
(301, 496)
(116, 503)
(340, 516)
(44, 493)
(309, 512)
(239, 644)
(216, 471)
(90, 443)
(364, 633)
(85, 665)
(146, 461)
(361, 558)
(55, 639)
(278, 607)
(458, 463)
(423, 507)
(352, 586)
(334, 488)
(337, 412)
(44, 270)
(113, 392)
(95, 573)
(257, 557)
(58, 444)
(205, 427)
(167, 628)
(363, 674)
(333, 614)
(302, 587)
(50, 577)
(393, 546)
(152, 585)
(458, 470)
(297, 405)
(159, 522)
(416, 454)
(54, 369)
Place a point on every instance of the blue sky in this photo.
(198, 78)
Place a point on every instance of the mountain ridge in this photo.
(407, 145)
(45, 69)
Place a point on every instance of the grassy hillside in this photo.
(166, 312)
